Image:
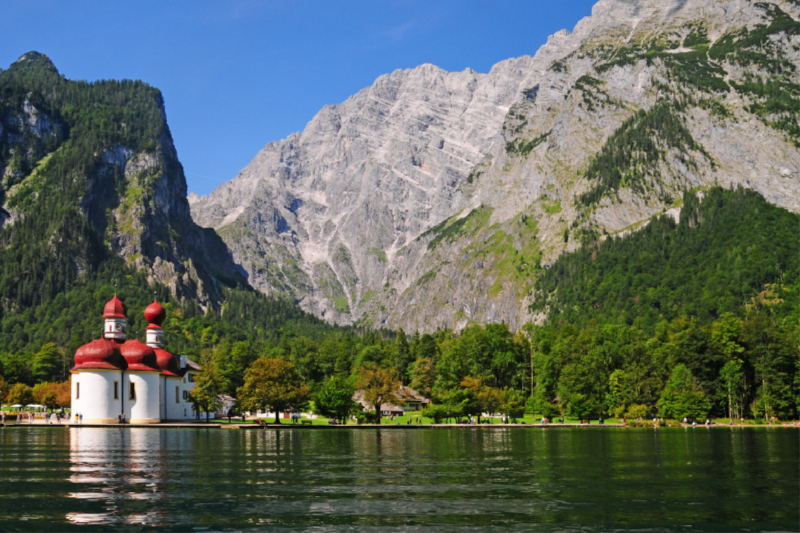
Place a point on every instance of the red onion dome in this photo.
(100, 353)
(115, 309)
(139, 356)
(155, 314)
(168, 363)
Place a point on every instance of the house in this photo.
(408, 400)
(228, 405)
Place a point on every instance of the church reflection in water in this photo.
(119, 467)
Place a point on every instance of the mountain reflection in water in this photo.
(57, 479)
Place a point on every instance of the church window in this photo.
(77, 391)
(186, 395)
(116, 390)
(132, 391)
(177, 394)
(191, 378)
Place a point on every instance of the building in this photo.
(407, 400)
(143, 381)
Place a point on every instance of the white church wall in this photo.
(144, 409)
(96, 401)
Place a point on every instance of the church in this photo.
(143, 381)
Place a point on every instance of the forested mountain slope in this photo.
(730, 252)
(435, 199)
(94, 197)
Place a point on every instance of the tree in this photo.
(63, 392)
(208, 385)
(335, 398)
(272, 384)
(423, 376)
(20, 394)
(401, 355)
(47, 363)
(380, 386)
(682, 396)
(512, 403)
(4, 389)
(730, 386)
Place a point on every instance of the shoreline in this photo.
(395, 427)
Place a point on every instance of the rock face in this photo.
(123, 178)
(433, 199)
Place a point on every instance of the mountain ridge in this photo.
(341, 216)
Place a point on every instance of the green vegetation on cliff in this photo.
(730, 250)
(631, 155)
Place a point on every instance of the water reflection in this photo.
(547, 479)
(118, 464)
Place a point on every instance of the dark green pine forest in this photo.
(692, 318)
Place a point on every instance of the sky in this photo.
(237, 75)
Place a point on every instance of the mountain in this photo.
(93, 201)
(433, 199)
(92, 166)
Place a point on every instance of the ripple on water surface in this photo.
(54, 479)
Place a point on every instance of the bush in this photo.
(638, 410)
(367, 417)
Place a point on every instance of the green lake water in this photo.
(533, 479)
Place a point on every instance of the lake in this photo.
(532, 479)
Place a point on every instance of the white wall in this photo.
(96, 402)
(145, 409)
(182, 409)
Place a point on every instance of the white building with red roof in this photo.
(143, 381)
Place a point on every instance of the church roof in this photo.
(139, 356)
(115, 309)
(100, 354)
(155, 314)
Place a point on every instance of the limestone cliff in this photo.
(432, 199)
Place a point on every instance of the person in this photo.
(694, 423)
(684, 419)
(229, 415)
(123, 417)
(242, 417)
(80, 418)
(731, 422)
(655, 422)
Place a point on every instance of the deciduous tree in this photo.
(335, 398)
(273, 384)
(380, 386)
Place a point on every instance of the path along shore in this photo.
(400, 427)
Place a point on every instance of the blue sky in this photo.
(238, 74)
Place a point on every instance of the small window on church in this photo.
(116, 390)
(186, 395)
(132, 392)
(177, 394)
(191, 378)
(77, 391)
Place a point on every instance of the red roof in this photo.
(168, 363)
(115, 309)
(100, 353)
(139, 356)
(155, 314)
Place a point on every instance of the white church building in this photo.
(113, 375)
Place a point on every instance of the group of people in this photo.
(49, 417)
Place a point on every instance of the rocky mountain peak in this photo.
(433, 198)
